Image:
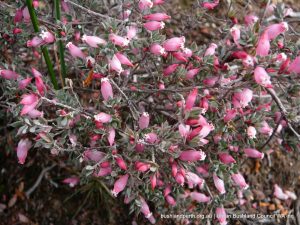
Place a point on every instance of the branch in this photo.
(282, 110)
(92, 12)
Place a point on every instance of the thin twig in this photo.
(38, 180)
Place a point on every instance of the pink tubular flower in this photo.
(250, 19)
(123, 59)
(210, 81)
(120, 185)
(121, 163)
(142, 167)
(104, 171)
(144, 120)
(211, 50)
(170, 69)
(103, 117)
(154, 25)
(265, 128)
(151, 138)
(22, 150)
(253, 153)
(39, 81)
(274, 30)
(47, 37)
(146, 211)
(18, 16)
(145, 4)
(158, 2)
(230, 115)
(221, 215)
(75, 51)
(192, 155)
(93, 41)
(263, 45)
(192, 73)
(35, 114)
(9, 74)
(295, 66)
(157, 49)
(157, 17)
(111, 136)
(106, 89)
(243, 98)
(193, 180)
(24, 83)
(131, 32)
(118, 40)
(199, 197)
(174, 44)
(115, 64)
(261, 77)
(190, 101)
(236, 34)
(93, 155)
(29, 102)
(26, 15)
(153, 181)
(226, 158)
(71, 181)
(35, 42)
(251, 132)
(219, 183)
(278, 193)
(210, 5)
(170, 200)
(239, 180)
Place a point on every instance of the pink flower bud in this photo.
(38, 81)
(171, 201)
(71, 181)
(242, 98)
(219, 183)
(144, 120)
(118, 40)
(251, 132)
(157, 17)
(295, 66)
(22, 150)
(221, 215)
(93, 41)
(211, 50)
(153, 181)
(170, 69)
(24, 83)
(17, 30)
(47, 37)
(236, 34)
(123, 59)
(120, 185)
(194, 180)
(65, 6)
(142, 167)
(140, 147)
(210, 5)
(115, 64)
(239, 180)
(226, 158)
(253, 153)
(174, 44)
(190, 101)
(35, 114)
(192, 73)
(278, 193)
(121, 163)
(145, 4)
(18, 16)
(111, 136)
(192, 155)
(199, 197)
(75, 51)
(158, 2)
(174, 169)
(154, 25)
(157, 49)
(106, 89)
(261, 77)
(9, 74)
(104, 172)
(265, 128)
(179, 178)
(29, 101)
(26, 15)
